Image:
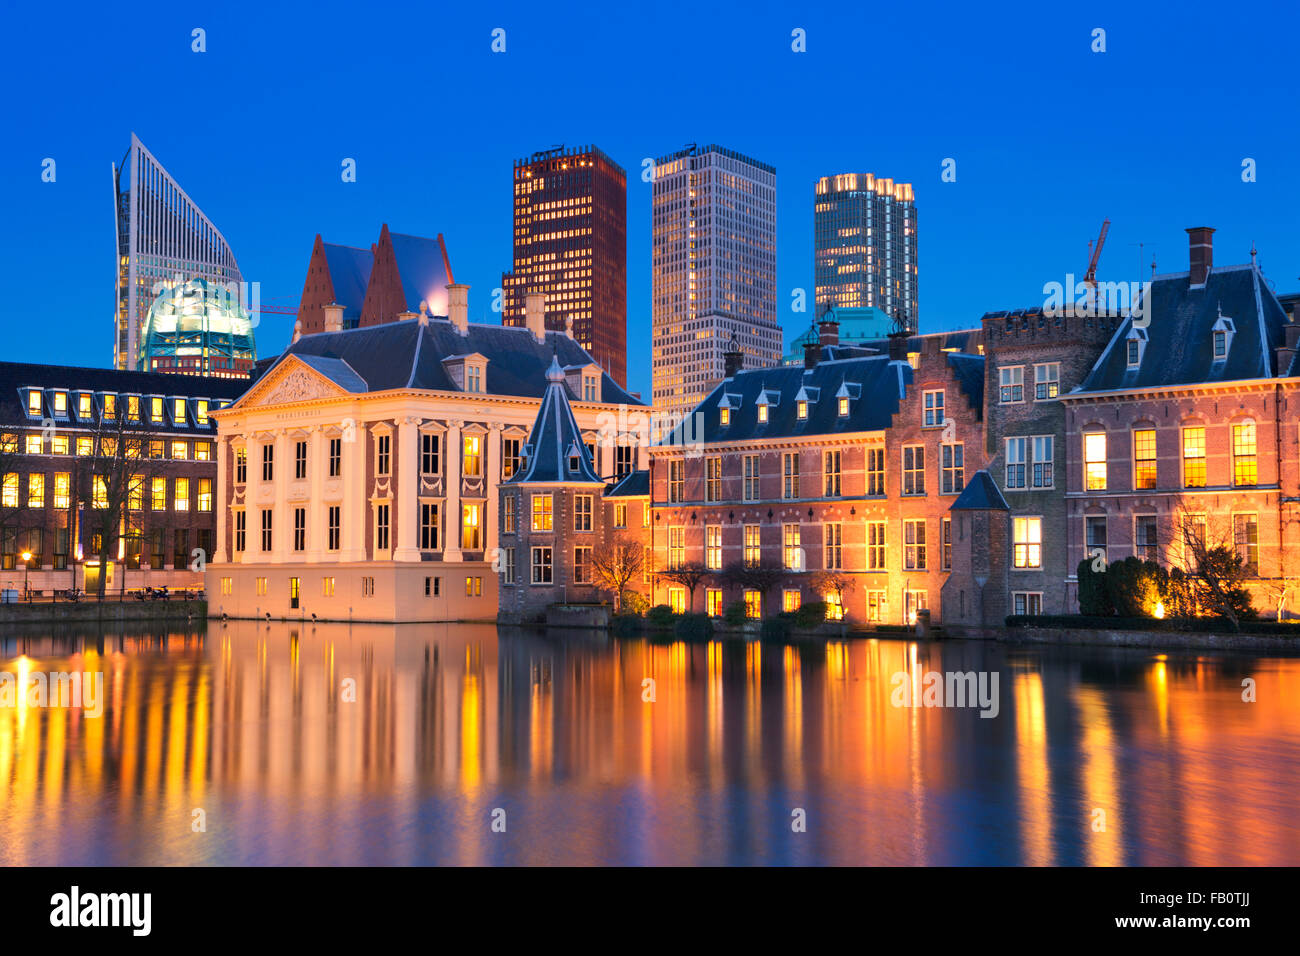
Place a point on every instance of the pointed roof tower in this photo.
(555, 453)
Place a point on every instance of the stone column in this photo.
(491, 482)
(452, 463)
(281, 513)
(356, 500)
(317, 465)
(222, 495)
(406, 477)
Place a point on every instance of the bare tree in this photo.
(760, 576)
(113, 480)
(689, 575)
(832, 582)
(1213, 561)
(616, 565)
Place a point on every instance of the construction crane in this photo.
(1090, 277)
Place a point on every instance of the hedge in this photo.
(1203, 625)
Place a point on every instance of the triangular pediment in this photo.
(293, 380)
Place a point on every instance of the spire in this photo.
(555, 452)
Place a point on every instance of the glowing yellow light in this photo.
(1159, 611)
(911, 618)
(27, 556)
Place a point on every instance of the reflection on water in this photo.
(256, 726)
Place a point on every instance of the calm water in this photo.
(249, 724)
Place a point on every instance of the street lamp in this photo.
(27, 569)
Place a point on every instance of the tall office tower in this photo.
(571, 243)
(713, 260)
(165, 244)
(864, 242)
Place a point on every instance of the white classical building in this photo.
(358, 476)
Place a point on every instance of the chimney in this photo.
(535, 314)
(828, 329)
(568, 326)
(406, 316)
(458, 307)
(333, 317)
(1200, 243)
(733, 360)
(812, 351)
(898, 345)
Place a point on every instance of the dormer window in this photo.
(847, 391)
(1221, 337)
(178, 411)
(573, 463)
(1134, 345)
(84, 405)
(201, 411)
(590, 388)
(801, 409)
(724, 416)
(762, 412)
(34, 402)
(60, 403)
(844, 406)
(110, 407)
(473, 378)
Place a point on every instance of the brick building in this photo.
(61, 428)
(847, 465)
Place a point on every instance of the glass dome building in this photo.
(198, 328)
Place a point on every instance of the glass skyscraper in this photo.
(713, 262)
(864, 241)
(164, 244)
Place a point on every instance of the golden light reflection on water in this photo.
(370, 744)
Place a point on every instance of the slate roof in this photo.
(425, 270)
(1179, 341)
(555, 442)
(635, 484)
(872, 382)
(962, 340)
(980, 494)
(408, 355)
(17, 377)
(349, 273)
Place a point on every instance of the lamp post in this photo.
(27, 569)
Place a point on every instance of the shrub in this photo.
(693, 627)
(735, 614)
(1134, 586)
(810, 615)
(661, 615)
(1094, 600)
(634, 602)
(776, 628)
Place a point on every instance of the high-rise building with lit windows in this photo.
(713, 260)
(570, 242)
(864, 241)
(166, 243)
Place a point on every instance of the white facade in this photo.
(713, 263)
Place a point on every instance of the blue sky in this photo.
(1049, 137)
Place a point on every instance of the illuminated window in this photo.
(36, 491)
(178, 411)
(724, 417)
(201, 411)
(1144, 459)
(181, 494)
(60, 403)
(84, 405)
(9, 494)
(1194, 457)
(713, 601)
(762, 413)
(156, 410)
(542, 512)
(471, 466)
(713, 547)
(843, 406)
(1094, 461)
(326, 587)
(63, 490)
(99, 492)
(205, 494)
(801, 409)
(202, 451)
(35, 445)
(1027, 538)
(471, 538)
(34, 405)
(180, 450)
(1244, 467)
(792, 549)
(110, 407)
(791, 598)
(753, 604)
